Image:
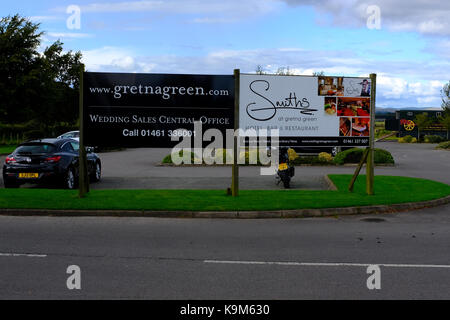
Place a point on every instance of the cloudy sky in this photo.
(408, 46)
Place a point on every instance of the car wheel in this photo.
(69, 179)
(97, 174)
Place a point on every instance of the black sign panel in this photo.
(146, 110)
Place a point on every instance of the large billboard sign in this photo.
(307, 110)
(147, 110)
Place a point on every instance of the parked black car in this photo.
(48, 160)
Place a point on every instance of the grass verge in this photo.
(388, 190)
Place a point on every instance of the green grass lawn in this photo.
(7, 149)
(388, 190)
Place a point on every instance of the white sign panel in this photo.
(307, 110)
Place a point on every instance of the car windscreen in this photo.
(71, 135)
(41, 148)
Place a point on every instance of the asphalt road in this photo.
(147, 258)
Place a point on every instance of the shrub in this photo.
(354, 155)
(433, 139)
(246, 155)
(326, 157)
(168, 158)
(407, 139)
(33, 129)
(383, 156)
(34, 134)
(349, 156)
(292, 154)
(312, 160)
(443, 145)
(381, 132)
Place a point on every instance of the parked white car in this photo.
(71, 134)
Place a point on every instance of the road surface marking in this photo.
(329, 264)
(28, 255)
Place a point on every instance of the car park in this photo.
(53, 161)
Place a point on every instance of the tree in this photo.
(283, 71)
(259, 70)
(33, 85)
(422, 121)
(445, 93)
(445, 119)
(318, 73)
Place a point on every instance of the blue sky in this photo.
(410, 52)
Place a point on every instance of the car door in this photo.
(90, 158)
(71, 154)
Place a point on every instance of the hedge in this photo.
(433, 139)
(17, 133)
(354, 155)
(444, 145)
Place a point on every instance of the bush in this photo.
(33, 134)
(443, 145)
(292, 154)
(326, 157)
(354, 155)
(311, 160)
(433, 139)
(383, 156)
(168, 158)
(381, 132)
(407, 139)
(244, 157)
(33, 129)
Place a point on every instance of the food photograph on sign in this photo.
(353, 107)
(331, 86)
(330, 106)
(345, 126)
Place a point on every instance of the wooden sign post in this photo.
(83, 179)
(368, 154)
(235, 166)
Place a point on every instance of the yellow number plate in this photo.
(27, 175)
(283, 166)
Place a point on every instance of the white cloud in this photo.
(395, 88)
(391, 87)
(70, 35)
(216, 11)
(109, 59)
(419, 93)
(213, 20)
(45, 18)
(426, 17)
(184, 6)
